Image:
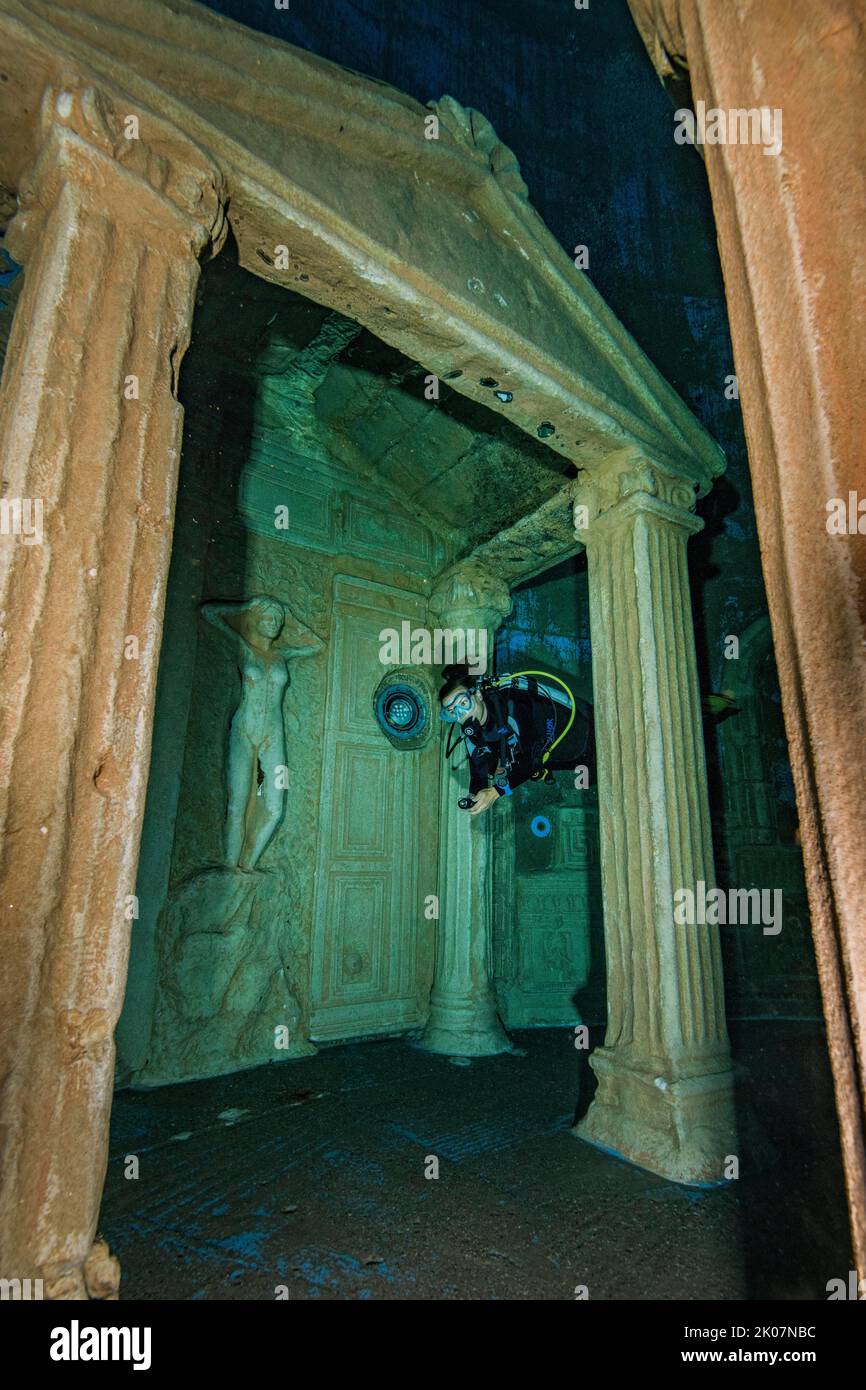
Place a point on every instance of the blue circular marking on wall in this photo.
(541, 827)
(401, 711)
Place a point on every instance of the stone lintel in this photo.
(463, 1018)
(502, 302)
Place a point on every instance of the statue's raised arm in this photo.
(232, 618)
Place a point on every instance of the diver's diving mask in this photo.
(452, 713)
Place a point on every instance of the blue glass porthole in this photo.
(401, 711)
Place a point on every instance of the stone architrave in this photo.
(463, 1017)
(665, 1092)
(109, 230)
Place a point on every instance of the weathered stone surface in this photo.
(665, 1094)
(543, 937)
(265, 637)
(789, 228)
(336, 169)
(469, 595)
(228, 993)
(104, 464)
(463, 1018)
(362, 219)
(373, 833)
(538, 540)
(102, 1272)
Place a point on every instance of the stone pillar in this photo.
(665, 1093)
(785, 226)
(109, 230)
(463, 1018)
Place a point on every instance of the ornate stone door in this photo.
(372, 956)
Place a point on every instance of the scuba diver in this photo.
(510, 726)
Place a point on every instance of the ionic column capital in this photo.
(126, 164)
(627, 484)
(470, 595)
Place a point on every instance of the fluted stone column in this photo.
(665, 1090)
(109, 230)
(463, 1017)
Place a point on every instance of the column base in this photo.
(459, 1029)
(684, 1130)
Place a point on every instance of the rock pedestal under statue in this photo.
(228, 983)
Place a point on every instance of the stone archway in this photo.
(128, 160)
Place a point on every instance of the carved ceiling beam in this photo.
(536, 542)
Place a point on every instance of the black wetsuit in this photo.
(520, 727)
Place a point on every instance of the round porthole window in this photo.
(402, 709)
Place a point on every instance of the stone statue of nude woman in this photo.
(268, 636)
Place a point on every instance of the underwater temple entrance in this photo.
(335, 484)
(348, 493)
